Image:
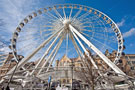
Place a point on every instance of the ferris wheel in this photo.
(71, 29)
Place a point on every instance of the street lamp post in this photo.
(72, 67)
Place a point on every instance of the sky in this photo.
(121, 11)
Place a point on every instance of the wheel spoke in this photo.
(76, 15)
(47, 51)
(103, 44)
(58, 14)
(112, 65)
(83, 16)
(47, 60)
(51, 15)
(56, 50)
(79, 52)
(85, 34)
(70, 13)
(86, 30)
(92, 61)
(22, 62)
(64, 13)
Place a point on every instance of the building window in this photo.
(129, 62)
(133, 62)
(68, 81)
(64, 80)
(132, 68)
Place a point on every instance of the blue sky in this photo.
(121, 11)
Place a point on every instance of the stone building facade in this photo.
(8, 64)
(74, 65)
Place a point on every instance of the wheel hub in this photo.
(66, 22)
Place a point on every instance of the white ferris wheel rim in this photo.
(66, 22)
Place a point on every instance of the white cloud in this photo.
(3, 47)
(129, 33)
(12, 12)
(4, 50)
(121, 23)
